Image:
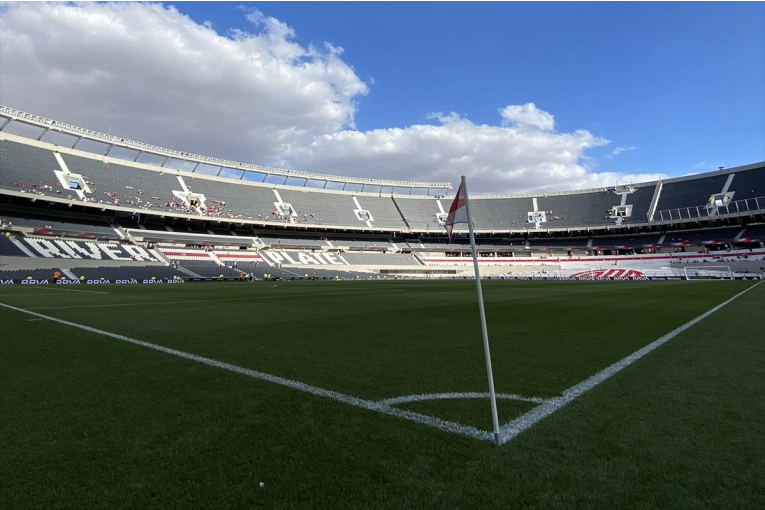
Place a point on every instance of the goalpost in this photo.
(708, 273)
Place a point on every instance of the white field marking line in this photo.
(248, 298)
(70, 290)
(437, 423)
(511, 430)
(15, 295)
(448, 396)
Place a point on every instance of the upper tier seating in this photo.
(497, 213)
(235, 201)
(684, 197)
(30, 169)
(749, 184)
(420, 213)
(579, 209)
(322, 208)
(25, 167)
(113, 183)
(383, 210)
(641, 202)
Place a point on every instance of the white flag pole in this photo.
(484, 332)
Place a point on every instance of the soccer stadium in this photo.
(200, 317)
(371, 255)
(92, 219)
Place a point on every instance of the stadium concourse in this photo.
(129, 212)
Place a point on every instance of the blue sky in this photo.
(675, 88)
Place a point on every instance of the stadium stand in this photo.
(92, 250)
(640, 200)
(573, 210)
(119, 184)
(9, 248)
(234, 200)
(322, 208)
(43, 223)
(698, 237)
(383, 210)
(29, 169)
(635, 240)
(379, 259)
(568, 243)
(498, 213)
(363, 244)
(24, 274)
(684, 197)
(749, 184)
(421, 213)
(756, 232)
(208, 269)
(128, 272)
(236, 213)
(194, 239)
(293, 242)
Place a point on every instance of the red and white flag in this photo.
(457, 212)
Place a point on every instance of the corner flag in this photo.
(459, 212)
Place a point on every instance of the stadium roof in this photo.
(111, 141)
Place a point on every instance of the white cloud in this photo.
(527, 116)
(619, 150)
(155, 75)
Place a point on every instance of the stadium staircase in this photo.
(406, 222)
(654, 201)
(188, 272)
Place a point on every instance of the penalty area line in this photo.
(437, 423)
(512, 429)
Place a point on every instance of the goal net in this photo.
(708, 273)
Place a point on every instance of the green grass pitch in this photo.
(88, 421)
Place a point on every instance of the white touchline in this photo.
(57, 287)
(446, 426)
(511, 430)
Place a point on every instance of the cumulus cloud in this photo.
(527, 115)
(155, 75)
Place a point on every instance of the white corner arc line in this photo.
(511, 430)
(437, 423)
(461, 395)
